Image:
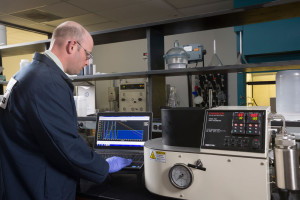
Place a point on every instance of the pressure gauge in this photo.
(181, 176)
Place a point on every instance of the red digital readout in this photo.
(241, 116)
(254, 116)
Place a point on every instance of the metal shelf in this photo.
(127, 75)
(87, 118)
(83, 83)
(24, 48)
(266, 66)
(255, 67)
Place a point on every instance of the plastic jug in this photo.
(288, 94)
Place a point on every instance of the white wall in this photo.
(128, 57)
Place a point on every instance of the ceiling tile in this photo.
(10, 6)
(99, 5)
(63, 10)
(102, 26)
(213, 7)
(36, 15)
(15, 20)
(84, 20)
(141, 13)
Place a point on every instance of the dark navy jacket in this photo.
(41, 154)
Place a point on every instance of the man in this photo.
(41, 154)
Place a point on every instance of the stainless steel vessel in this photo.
(287, 162)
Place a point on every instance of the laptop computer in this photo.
(123, 134)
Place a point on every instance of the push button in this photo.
(255, 144)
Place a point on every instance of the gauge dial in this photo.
(181, 176)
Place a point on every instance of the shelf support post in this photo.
(156, 83)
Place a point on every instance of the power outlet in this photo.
(156, 127)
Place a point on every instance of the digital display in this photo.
(132, 86)
(122, 130)
(254, 116)
(241, 116)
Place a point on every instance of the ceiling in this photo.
(97, 15)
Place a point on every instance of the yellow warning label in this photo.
(152, 155)
(160, 152)
(158, 156)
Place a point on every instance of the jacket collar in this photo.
(43, 58)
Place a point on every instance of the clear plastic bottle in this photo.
(24, 63)
(288, 94)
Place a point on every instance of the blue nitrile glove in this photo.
(117, 163)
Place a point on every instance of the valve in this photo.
(198, 165)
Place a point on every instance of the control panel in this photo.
(132, 97)
(235, 130)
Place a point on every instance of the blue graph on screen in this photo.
(114, 130)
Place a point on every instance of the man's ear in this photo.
(71, 46)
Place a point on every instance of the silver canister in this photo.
(286, 162)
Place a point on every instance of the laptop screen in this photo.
(117, 130)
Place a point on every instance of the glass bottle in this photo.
(172, 100)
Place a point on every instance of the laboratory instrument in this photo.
(231, 162)
(132, 97)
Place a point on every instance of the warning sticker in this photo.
(152, 156)
(159, 156)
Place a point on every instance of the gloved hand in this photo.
(117, 163)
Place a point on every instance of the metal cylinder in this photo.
(286, 162)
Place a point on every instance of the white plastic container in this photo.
(288, 94)
(24, 63)
(3, 38)
(81, 104)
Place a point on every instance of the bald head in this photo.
(69, 31)
(71, 43)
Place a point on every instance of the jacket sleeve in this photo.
(53, 119)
